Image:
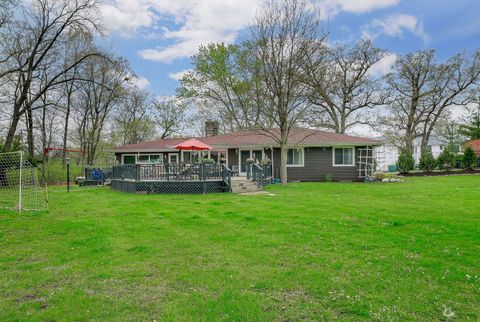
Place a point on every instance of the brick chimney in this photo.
(211, 128)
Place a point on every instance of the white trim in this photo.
(250, 155)
(303, 158)
(343, 165)
(169, 157)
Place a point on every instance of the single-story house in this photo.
(312, 154)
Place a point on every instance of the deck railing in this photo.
(171, 172)
(260, 173)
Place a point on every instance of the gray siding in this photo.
(318, 162)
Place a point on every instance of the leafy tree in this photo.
(427, 161)
(222, 79)
(446, 160)
(472, 129)
(132, 121)
(469, 158)
(405, 161)
(170, 115)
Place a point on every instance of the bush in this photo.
(328, 177)
(469, 158)
(56, 171)
(459, 161)
(206, 160)
(379, 176)
(405, 162)
(446, 160)
(427, 161)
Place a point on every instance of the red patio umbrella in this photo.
(193, 145)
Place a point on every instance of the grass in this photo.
(313, 251)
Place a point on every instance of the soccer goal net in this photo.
(19, 185)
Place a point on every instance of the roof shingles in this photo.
(297, 137)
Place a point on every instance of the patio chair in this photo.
(235, 170)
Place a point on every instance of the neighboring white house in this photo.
(436, 144)
(387, 154)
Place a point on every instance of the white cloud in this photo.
(183, 25)
(139, 82)
(394, 26)
(127, 16)
(361, 6)
(178, 75)
(384, 65)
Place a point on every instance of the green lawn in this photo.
(313, 251)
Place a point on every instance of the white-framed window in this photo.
(343, 157)
(295, 157)
(156, 158)
(129, 159)
(149, 158)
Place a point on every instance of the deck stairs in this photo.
(243, 185)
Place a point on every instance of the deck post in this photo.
(203, 177)
(137, 169)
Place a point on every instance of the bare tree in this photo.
(423, 89)
(95, 99)
(282, 38)
(342, 89)
(29, 45)
(78, 44)
(170, 115)
(5, 11)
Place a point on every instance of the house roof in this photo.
(246, 138)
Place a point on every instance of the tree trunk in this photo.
(409, 142)
(30, 140)
(283, 164)
(12, 129)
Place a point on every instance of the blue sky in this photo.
(159, 36)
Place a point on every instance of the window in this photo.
(156, 158)
(295, 157)
(129, 159)
(187, 156)
(143, 158)
(343, 156)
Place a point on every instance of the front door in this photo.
(244, 155)
(257, 155)
(173, 158)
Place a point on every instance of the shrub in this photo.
(206, 160)
(459, 161)
(405, 162)
(379, 176)
(446, 160)
(469, 158)
(427, 161)
(328, 177)
(56, 171)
